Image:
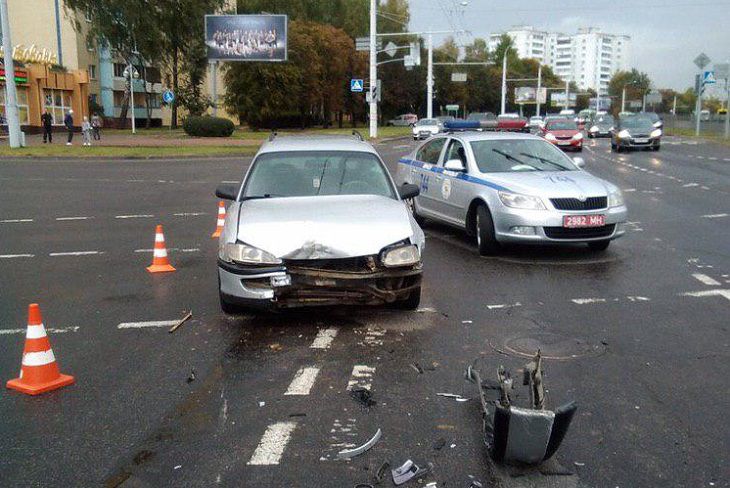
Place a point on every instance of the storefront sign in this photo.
(32, 54)
(21, 76)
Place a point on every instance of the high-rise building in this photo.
(589, 58)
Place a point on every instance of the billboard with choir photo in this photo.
(246, 37)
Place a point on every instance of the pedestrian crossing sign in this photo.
(708, 78)
(356, 85)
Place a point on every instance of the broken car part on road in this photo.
(407, 471)
(350, 453)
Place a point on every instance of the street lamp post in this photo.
(623, 95)
(373, 70)
(11, 109)
(132, 74)
(504, 84)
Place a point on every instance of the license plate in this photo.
(641, 141)
(574, 221)
(563, 143)
(277, 281)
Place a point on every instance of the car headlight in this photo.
(245, 254)
(611, 129)
(578, 136)
(594, 128)
(658, 123)
(615, 198)
(515, 200)
(550, 137)
(624, 134)
(400, 256)
(656, 133)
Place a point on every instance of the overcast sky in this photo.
(666, 35)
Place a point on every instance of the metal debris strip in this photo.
(453, 396)
(351, 453)
(180, 322)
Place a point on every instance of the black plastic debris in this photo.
(363, 396)
(439, 444)
(191, 378)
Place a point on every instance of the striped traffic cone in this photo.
(38, 372)
(221, 220)
(160, 263)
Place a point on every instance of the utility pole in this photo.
(214, 88)
(727, 107)
(674, 106)
(429, 79)
(373, 70)
(623, 99)
(567, 93)
(539, 87)
(698, 108)
(504, 84)
(11, 109)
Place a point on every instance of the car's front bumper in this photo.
(312, 284)
(423, 134)
(547, 225)
(574, 144)
(634, 143)
(600, 133)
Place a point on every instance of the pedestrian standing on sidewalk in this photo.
(96, 126)
(47, 123)
(86, 131)
(68, 121)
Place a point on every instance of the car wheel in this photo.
(410, 303)
(486, 240)
(613, 146)
(412, 207)
(580, 149)
(655, 148)
(599, 245)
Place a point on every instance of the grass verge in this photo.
(62, 151)
(690, 133)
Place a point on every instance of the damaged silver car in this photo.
(318, 221)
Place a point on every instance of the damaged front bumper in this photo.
(297, 283)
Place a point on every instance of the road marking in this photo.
(170, 249)
(583, 301)
(143, 325)
(708, 293)
(15, 221)
(74, 253)
(303, 381)
(689, 185)
(504, 305)
(141, 216)
(62, 330)
(272, 444)
(188, 214)
(73, 218)
(726, 159)
(230, 181)
(373, 337)
(712, 158)
(715, 216)
(361, 376)
(705, 187)
(628, 190)
(402, 146)
(13, 256)
(324, 338)
(703, 278)
(700, 157)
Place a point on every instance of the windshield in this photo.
(515, 155)
(604, 120)
(562, 125)
(311, 173)
(651, 116)
(427, 122)
(636, 123)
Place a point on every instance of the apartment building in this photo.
(589, 57)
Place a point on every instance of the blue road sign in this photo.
(708, 78)
(168, 96)
(356, 85)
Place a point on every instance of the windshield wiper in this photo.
(257, 197)
(546, 161)
(510, 157)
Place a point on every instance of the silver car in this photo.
(426, 128)
(512, 188)
(318, 221)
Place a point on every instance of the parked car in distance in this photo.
(487, 120)
(583, 117)
(445, 118)
(318, 221)
(535, 122)
(635, 132)
(705, 115)
(567, 112)
(404, 120)
(512, 122)
(507, 188)
(601, 126)
(426, 128)
(564, 133)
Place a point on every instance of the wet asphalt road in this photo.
(647, 364)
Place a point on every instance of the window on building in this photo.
(22, 93)
(154, 99)
(119, 70)
(58, 102)
(92, 71)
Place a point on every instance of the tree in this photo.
(637, 85)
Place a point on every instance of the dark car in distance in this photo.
(635, 132)
(601, 126)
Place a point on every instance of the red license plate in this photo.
(574, 221)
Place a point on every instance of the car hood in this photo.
(325, 227)
(552, 184)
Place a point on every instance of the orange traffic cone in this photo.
(160, 263)
(221, 220)
(38, 372)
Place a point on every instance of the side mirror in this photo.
(227, 192)
(408, 191)
(454, 165)
(580, 162)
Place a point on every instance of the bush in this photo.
(207, 126)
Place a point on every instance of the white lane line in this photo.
(171, 249)
(324, 338)
(303, 381)
(712, 158)
(629, 190)
(189, 214)
(140, 216)
(230, 181)
(13, 256)
(726, 159)
(15, 221)
(700, 157)
(716, 216)
(583, 301)
(62, 330)
(272, 444)
(143, 325)
(504, 305)
(690, 185)
(705, 187)
(703, 278)
(74, 253)
(73, 218)
(708, 293)
(361, 376)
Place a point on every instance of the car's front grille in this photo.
(591, 203)
(357, 264)
(579, 233)
(563, 138)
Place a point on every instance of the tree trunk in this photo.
(173, 119)
(148, 122)
(339, 119)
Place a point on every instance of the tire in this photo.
(613, 147)
(484, 230)
(580, 149)
(655, 148)
(410, 303)
(599, 246)
(619, 148)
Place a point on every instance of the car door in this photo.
(427, 158)
(451, 191)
